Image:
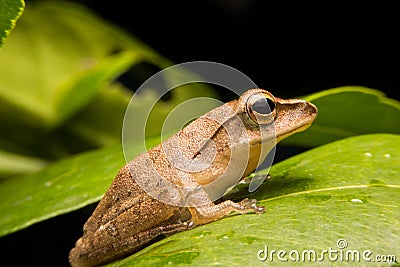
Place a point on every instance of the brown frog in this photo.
(173, 186)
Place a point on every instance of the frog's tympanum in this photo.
(174, 186)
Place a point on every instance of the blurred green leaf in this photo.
(348, 111)
(10, 10)
(64, 58)
(100, 122)
(61, 64)
(343, 190)
(84, 89)
(62, 187)
(58, 68)
(11, 164)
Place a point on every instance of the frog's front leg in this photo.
(212, 212)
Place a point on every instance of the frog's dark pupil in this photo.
(263, 106)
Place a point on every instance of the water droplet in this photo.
(387, 156)
(202, 234)
(356, 200)
(47, 184)
(226, 235)
(368, 154)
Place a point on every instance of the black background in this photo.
(290, 50)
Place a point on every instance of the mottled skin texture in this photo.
(128, 217)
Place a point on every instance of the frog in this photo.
(179, 184)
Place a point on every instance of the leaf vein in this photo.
(329, 189)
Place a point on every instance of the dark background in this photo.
(290, 50)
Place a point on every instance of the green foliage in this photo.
(99, 123)
(347, 189)
(61, 87)
(10, 10)
(64, 186)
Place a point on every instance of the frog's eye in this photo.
(260, 108)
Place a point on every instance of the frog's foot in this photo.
(248, 205)
(211, 212)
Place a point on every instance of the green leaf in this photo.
(100, 122)
(11, 164)
(58, 82)
(85, 88)
(63, 98)
(63, 65)
(348, 111)
(10, 10)
(64, 186)
(349, 189)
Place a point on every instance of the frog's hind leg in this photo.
(145, 237)
(124, 246)
(211, 212)
(169, 229)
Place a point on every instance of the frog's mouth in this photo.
(296, 130)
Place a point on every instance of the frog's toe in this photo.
(251, 205)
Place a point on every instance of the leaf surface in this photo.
(10, 11)
(347, 190)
